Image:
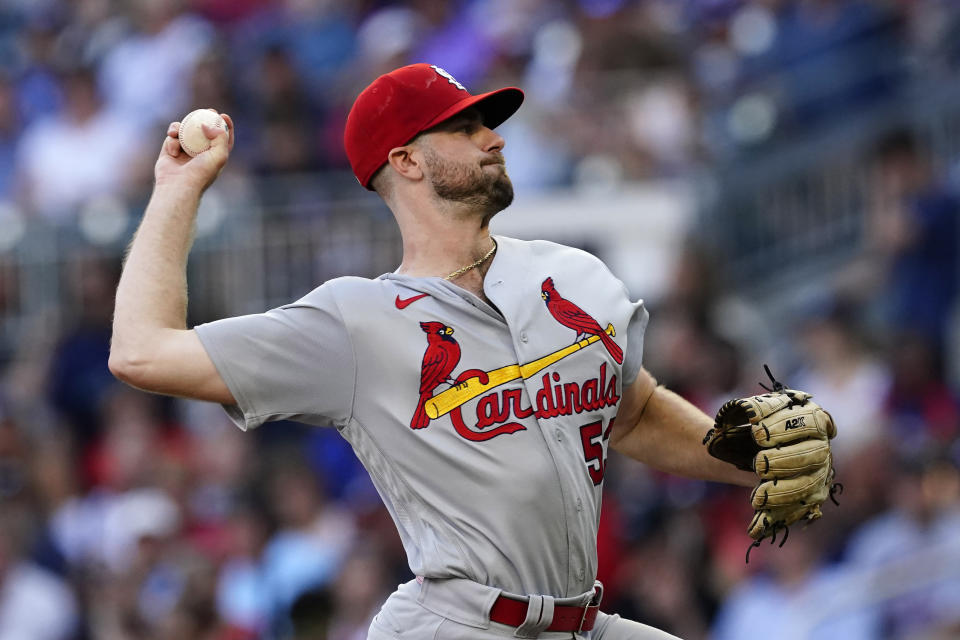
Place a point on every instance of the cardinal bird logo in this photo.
(439, 361)
(570, 315)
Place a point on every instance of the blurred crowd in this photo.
(616, 89)
(129, 516)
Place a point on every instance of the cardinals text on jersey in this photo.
(497, 410)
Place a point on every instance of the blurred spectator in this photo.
(34, 603)
(914, 229)
(146, 76)
(340, 472)
(319, 36)
(913, 552)
(10, 128)
(210, 85)
(311, 542)
(243, 598)
(358, 593)
(136, 441)
(288, 140)
(93, 29)
(836, 55)
(921, 407)
(452, 40)
(90, 529)
(158, 586)
(788, 600)
(386, 36)
(662, 123)
(669, 596)
(80, 154)
(39, 91)
(218, 466)
(310, 615)
(79, 379)
(842, 374)
(226, 11)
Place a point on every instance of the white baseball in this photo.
(192, 138)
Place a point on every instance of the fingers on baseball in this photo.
(218, 137)
(172, 146)
(211, 132)
(229, 122)
(219, 145)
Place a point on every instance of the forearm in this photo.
(152, 294)
(669, 436)
(151, 302)
(152, 348)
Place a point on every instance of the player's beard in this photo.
(486, 190)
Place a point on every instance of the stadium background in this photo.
(774, 177)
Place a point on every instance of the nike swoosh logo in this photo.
(403, 304)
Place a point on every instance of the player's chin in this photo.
(501, 192)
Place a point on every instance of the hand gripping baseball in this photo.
(784, 438)
(175, 166)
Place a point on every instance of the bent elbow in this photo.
(119, 365)
(126, 367)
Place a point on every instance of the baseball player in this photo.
(481, 384)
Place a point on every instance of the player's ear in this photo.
(406, 162)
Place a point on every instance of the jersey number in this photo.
(593, 436)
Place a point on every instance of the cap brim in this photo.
(494, 107)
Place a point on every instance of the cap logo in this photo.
(445, 74)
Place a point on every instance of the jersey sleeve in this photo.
(633, 359)
(295, 362)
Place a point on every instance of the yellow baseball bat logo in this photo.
(446, 401)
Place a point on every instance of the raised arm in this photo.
(661, 429)
(152, 349)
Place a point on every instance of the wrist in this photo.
(178, 186)
(177, 193)
(173, 203)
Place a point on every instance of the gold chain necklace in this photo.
(462, 270)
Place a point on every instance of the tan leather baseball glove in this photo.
(784, 437)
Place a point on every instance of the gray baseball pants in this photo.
(459, 610)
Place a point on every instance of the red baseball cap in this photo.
(400, 104)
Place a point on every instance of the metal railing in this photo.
(257, 247)
(799, 209)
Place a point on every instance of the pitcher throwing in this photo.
(483, 415)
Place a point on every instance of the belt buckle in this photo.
(593, 602)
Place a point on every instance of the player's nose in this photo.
(491, 140)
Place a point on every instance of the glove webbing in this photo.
(835, 489)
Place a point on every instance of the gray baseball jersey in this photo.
(484, 429)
